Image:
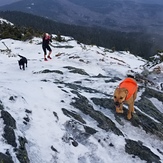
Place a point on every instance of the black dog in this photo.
(22, 62)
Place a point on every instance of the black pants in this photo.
(46, 47)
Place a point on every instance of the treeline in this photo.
(137, 43)
(8, 30)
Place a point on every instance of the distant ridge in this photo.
(136, 42)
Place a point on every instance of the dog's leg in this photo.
(23, 67)
(131, 105)
(129, 116)
(19, 64)
(134, 97)
(130, 110)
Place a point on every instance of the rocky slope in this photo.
(62, 110)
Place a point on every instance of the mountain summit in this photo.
(62, 110)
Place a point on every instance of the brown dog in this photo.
(126, 92)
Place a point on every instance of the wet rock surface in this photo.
(4, 158)
(103, 122)
(11, 139)
(101, 110)
(138, 149)
(147, 116)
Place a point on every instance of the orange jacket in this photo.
(131, 85)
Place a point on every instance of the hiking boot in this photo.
(49, 57)
(45, 59)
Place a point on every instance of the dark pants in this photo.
(46, 47)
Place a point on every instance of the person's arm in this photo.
(50, 38)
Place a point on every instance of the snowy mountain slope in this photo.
(63, 109)
(5, 21)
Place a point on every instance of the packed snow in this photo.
(45, 130)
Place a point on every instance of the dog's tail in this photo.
(131, 74)
(20, 56)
